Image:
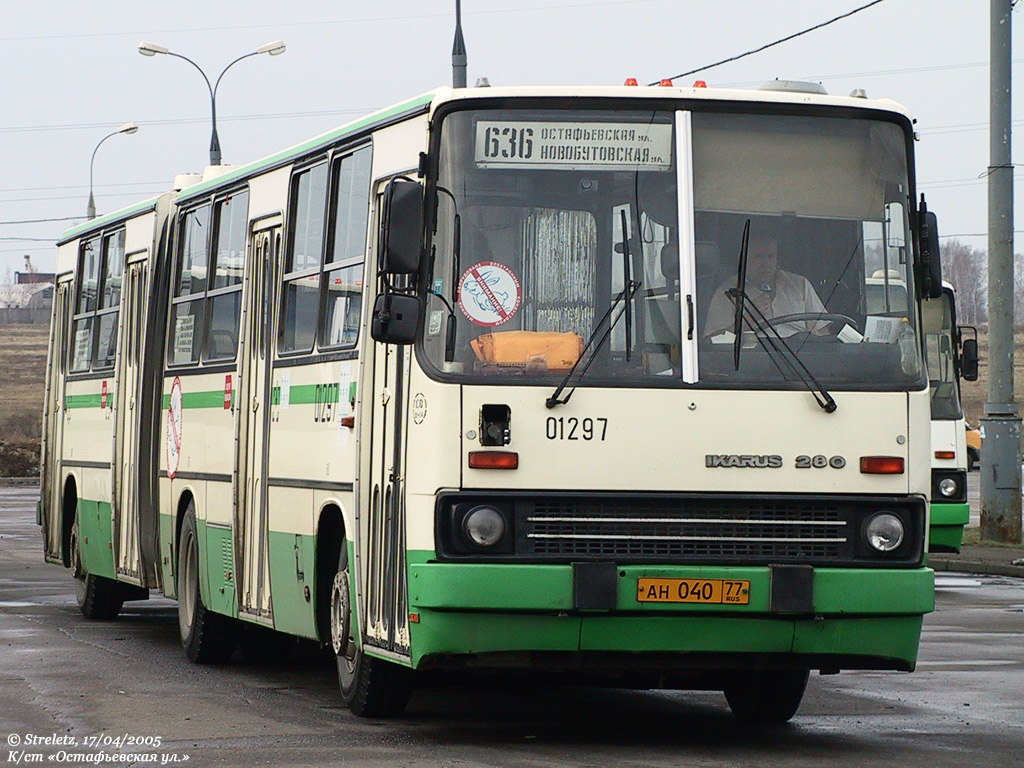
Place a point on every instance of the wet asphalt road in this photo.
(94, 682)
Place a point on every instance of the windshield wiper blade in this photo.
(626, 294)
(772, 341)
(627, 279)
(739, 295)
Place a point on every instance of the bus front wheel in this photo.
(207, 637)
(99, 598)
(767, 697)
(370, 687)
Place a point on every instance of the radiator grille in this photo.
(684, 530)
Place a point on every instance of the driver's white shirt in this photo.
(793, 294)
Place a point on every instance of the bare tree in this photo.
(966, 268)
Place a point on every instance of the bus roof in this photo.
(431, 100)
(108, 218)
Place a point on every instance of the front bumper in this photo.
(854, 618)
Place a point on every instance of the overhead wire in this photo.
(781, 40)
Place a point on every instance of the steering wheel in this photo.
(823, 317)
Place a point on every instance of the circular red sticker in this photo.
(489, 293)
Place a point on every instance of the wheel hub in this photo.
(341, 613)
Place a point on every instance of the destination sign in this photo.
(573, 146)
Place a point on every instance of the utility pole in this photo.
(458, 51)
(1001, 449)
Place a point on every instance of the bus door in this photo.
(127, 414)
(54, 414)
(383, 500)
(253, 423)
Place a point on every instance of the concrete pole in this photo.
(458, 51)
(1001, 449)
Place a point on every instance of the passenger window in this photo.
(194, 252)
(301, 294)
(95, 325)
(224, 305)
(207, 305)
(343, 283)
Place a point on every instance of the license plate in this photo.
(702, 591)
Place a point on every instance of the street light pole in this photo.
(152, 49)
(1001, 423)
(127, 128)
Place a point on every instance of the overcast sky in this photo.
(72, 74)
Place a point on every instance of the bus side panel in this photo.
(88, 441)
(217, 544)
(312, 446)
(292, 550)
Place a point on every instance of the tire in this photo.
(370, 687)
(766, 698)
(972, 459)
(98, 598)
(207, 637)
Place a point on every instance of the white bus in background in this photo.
(437, 388)
(949, 358)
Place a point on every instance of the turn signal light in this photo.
(945, 455)
(493, 460)
(881, 465)
(630, 81)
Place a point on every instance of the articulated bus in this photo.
(949, 358)
(577, 382)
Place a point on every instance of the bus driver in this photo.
(773, 291)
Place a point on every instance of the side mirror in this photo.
(969, 360)
(395, 318)
(931, 265)
(403, 228)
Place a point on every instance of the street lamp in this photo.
(152, 49)
(127, 128)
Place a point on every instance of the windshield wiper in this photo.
(627, 279)
(777, 349)
(626, 294)
(739, 295)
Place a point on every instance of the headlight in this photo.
(484, 526)
(948, 487)
(884, 532)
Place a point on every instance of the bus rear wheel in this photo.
(767, 697)
(99, 598)
(207, 637)
(370, 687)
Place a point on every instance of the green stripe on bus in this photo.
(83, 401)
(212, 399)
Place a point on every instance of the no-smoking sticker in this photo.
(489, 293)
(174, 429)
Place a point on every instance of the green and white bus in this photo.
(437, 388)
(949, 358)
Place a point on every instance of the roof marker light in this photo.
(630, 81)
(665, 83)
(700, 84)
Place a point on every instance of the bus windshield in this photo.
(561, 237)
(940, 354)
